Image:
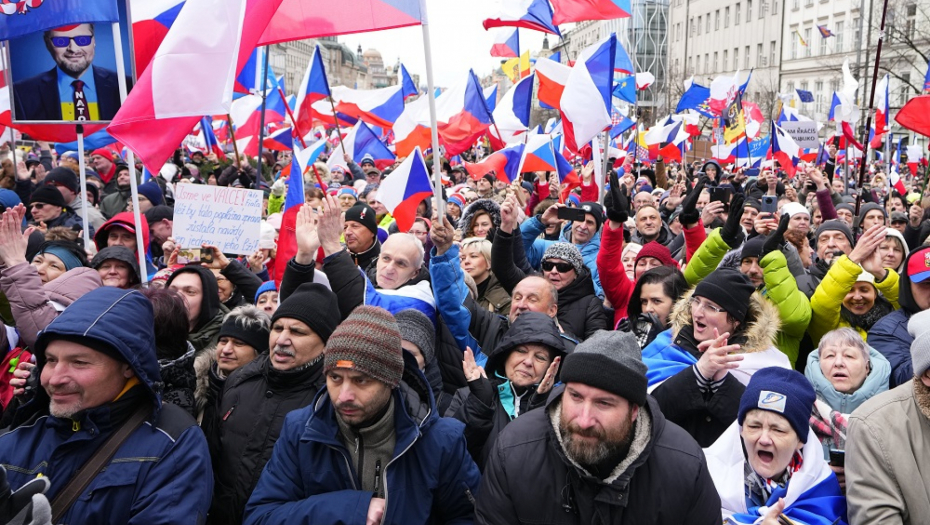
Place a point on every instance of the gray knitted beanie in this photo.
(367, 341)
(567, 252)
(416, 328)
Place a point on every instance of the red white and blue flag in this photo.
(361, 141)
(151, 20)
(300, 19)
(377, 107)
(512, 115)
(506, 42)
(581, 10)
(280, 140)
(405, 188)
(529, 14)
(209, 138)
(313, 87)
(785, 150)
(586, 101)
(504, 164)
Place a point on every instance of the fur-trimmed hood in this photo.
(491, 207)
(759, 330)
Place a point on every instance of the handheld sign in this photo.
(228, 218)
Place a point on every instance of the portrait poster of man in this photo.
(69, 73)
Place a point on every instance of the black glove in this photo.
(689, 214)
(618, 207)
(245, 179)
(732, 232)
(16, 507)
(777, 239)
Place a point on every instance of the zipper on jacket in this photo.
(229, 412)
(378, 479)
(360, 450)
(402, 452)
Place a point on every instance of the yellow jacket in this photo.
(828, 297)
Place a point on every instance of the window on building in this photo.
(746, 58)
(808, 3)
(707, 28)
(773, 48)
(790, 86)
(795, 4)
(838, 37)
(699, 23)
(857, 34)
(676, 66)
(762, 8)
(697, 64)
(717, 20)
(726, 17)
(691, 26)
(748, 10)
(707, 63)
(726, 60)
(804, 86)
(823, 46)
(690, 66)
(760, 58)
(905, 90)
(775, 7)
(818, 96)
(794, 43)
(911, 22)
(714, 70)
(807, 38)
(736, 18)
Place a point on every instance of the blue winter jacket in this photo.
(532, 228)
(310, 479)
(161, 473)
(890, 337)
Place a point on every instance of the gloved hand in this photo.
(777, 239)
(27, 505)
(732, 232)
(277, 189)
(689, 214)
(618, 207)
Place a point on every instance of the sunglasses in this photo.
(562, 267)
(65, 41)
(37, 206)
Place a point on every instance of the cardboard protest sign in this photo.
(228, 218)
(804, 133)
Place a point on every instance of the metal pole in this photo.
(80, 142)
(868, 120)
(141, 248)
(261, 130)
(434, 130)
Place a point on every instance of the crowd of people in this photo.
(704, 344)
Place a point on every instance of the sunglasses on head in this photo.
(64, 41)
(562, 267)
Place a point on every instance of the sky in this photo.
(458, 41)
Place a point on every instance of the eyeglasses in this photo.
(37, 206)
(562, 267)
(697, 303)
(415, 232)
(65, 41)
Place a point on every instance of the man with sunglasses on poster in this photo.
(75, 89)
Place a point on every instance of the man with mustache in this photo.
(75, 89)
(599, 452)
(257, 396)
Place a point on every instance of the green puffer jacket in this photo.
(780, 287)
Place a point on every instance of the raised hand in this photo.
(330, 226)
(220, 261)
(473, 372)
(616, 202)
(442, 234)
(551, 215)
(306, 235)
(732, 231)
(509, 214)
(711, 211)
(689, 214)
(777, 239)
(549, 379)
(12, 240)
(716, 357)
(866, 252)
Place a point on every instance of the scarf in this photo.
(759, 489)
(829, 425)
(865, 321)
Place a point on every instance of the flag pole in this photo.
(79, 129)
(261, 131)
(604, 177)
(434, 130)
(300, 136)
(141, 248)
(869, 114)
(332, 104)
(232, 135)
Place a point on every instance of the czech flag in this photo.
(462, 115)
(785, 150)
(896, 182)
(882, 111)
(378, 107)
(506, 42)
(209, 137)
(581, 10)
(313, 87)
(914, 156)
(586, 100)
(280, 140)
(248, 79)
(412, 129)
(529, 14)
(512, 115)
(552, 79)
(490, 96)
(300, 19)
(160, 111)
(622, 62)
(300, 161)
(504, 164)
(361, 141)
(540, 155)
(151, 20)
(405, 188)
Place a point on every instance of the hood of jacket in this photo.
(72, 285)
(875, 382)
(719, 170)
(757, 332)
(210, 304)
(491, 207)
(122, 254)
(528, 328)
(905, 297)
(665, 236)
(120, 319)
(123, 218)
(891, 232)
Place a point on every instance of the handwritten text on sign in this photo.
(228, 218)
(803, 133)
